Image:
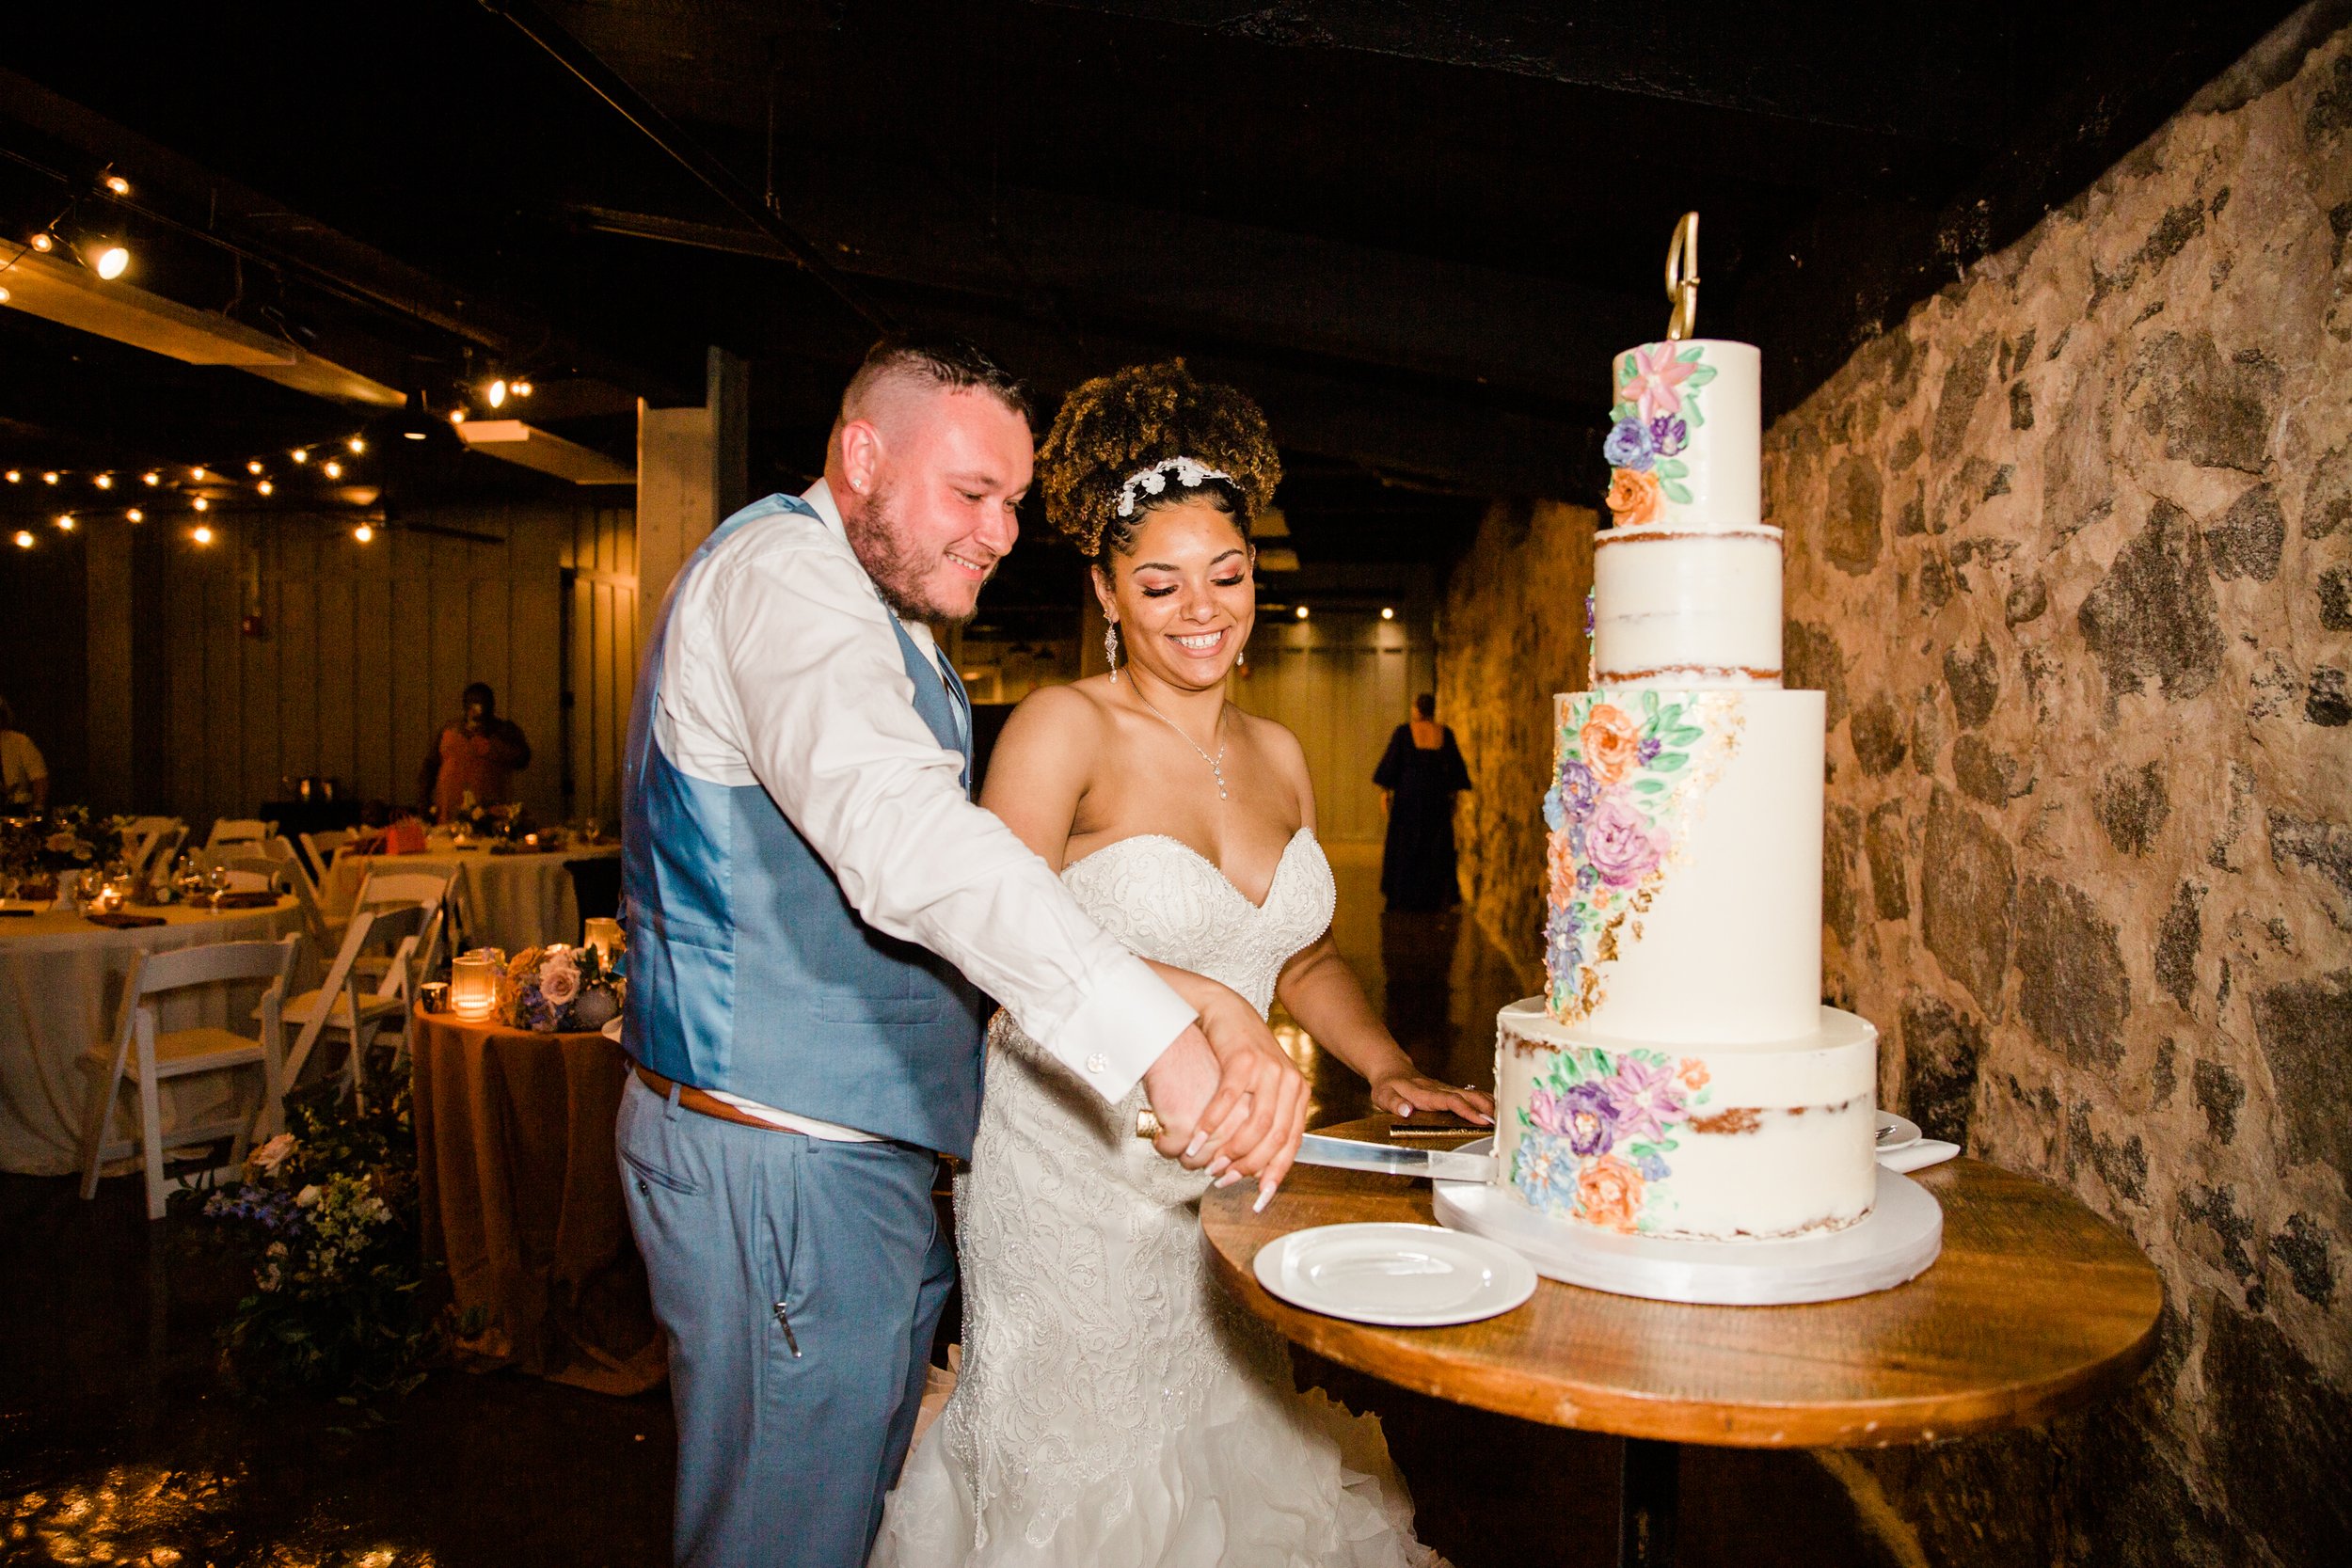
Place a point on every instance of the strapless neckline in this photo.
(1259, 907)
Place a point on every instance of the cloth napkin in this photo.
(119, 922)
(1919, 1156)
(251, 899)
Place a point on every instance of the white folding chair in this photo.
(140, 839)
(322, 848)
(278, 874)
(342, 1007)
(239, 830)
(435, 890)
(149, 1056)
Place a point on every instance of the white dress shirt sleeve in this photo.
(824, 712)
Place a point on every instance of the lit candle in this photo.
(473, 984)
(605, 937)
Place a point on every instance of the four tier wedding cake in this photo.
(1679, 1077)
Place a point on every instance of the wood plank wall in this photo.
(365, 649)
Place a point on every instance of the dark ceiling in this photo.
(1415, 231)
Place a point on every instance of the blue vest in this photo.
(748, 970)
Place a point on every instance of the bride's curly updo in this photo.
(1119, 425)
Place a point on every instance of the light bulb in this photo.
(253, 467)
(1301, 613)
(136, 515)
(358, 445)
(50, 478)
(496, 395)
(457, 416)
(202, 504)
(65, 521)
(4, 296)
(117, 184)
(266, 487)
(23, 539)
(331, 468)
(201, 535)
(363, 534)
(105, 482)
(110, 260)
(521, 388)
(44, 241)
(15, 475)
(196, 474)
(300, 454)
(150, 478)
(1387, 614)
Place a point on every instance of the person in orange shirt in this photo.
(477, 755)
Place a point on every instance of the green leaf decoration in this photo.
(1675, 491)
(1684, 735)
(1619, 413)
(1667, 761)
(1670, 468)
(1649, 787)
(1625, 368)
(1700, 377)
(1637, 1150)
(1690, 356)
(1650, 702)
(1691, 414)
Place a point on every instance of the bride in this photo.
(1115, 1407)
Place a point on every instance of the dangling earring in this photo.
(1110, 649)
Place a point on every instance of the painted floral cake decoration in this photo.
(1654, 412)
(1620, 805)
(1595, 1133)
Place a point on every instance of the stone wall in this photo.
(1511, 631)
(2071, 552)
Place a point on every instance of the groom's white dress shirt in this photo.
(780, 667)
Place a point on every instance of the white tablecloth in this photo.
(60, 992)
(506, 901)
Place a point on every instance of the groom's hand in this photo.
(1226, 1097)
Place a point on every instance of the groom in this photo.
(815, 906)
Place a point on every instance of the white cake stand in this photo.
(1894, 1243)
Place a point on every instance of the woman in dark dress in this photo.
(1419, 777)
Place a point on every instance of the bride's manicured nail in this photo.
(1199, 1140)
(1218, 1166)
(1265, 1196)
(1229, 1179)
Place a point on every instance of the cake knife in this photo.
(1429, 1164)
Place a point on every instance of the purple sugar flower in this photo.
(1590, 1121)
(1577, 788)
(1647, 751)
(1652, 1169)
(1619, 841)
(1668, 434)
(1629, 446)
(1643, 1096)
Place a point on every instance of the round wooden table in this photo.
(2036, 1307)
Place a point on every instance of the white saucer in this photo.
(1896, 1133)
(1894, 1242)
(1399, 1275)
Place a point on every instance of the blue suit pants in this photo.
(800, 1282)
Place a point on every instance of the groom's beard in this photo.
(900, 567)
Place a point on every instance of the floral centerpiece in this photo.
(49, 844)
(329, 1210)
(502, 823)
(559, 987)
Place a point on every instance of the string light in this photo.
(301, 454)
(150, 478)
(1301, 613)
(108, 258)
(200, 504)
(521, 388)
(253, 467)
(23, 539)
(1387, 613)
(196, 474)
(50, 478)
(117, 183)
(65, 522)
(15, 475)
(457, 416)
(4, 296)
(43, 241)
(363, 534)
(136, 515)
(331, 468)
(201, 535)
(105, 482)
(266, 487)
(496, 395)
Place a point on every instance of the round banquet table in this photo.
(60, 993)
(2037, 1307)
(522, 1199)
(506, 901)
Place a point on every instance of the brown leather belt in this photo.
(702, 1101)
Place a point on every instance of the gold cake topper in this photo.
(1682, 278)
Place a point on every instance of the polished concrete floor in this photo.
(118, 1445)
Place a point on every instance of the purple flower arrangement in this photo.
(557, 988)
(1597, 1129)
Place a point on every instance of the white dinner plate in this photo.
(1398, 1276)
(1896, 1133)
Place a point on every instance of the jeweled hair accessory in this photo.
(1189, 472)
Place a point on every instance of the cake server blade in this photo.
(1389, 1160)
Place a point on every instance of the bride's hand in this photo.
(1259, 1112)
(1403, 1092)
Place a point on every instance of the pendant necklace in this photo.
(1217, 763)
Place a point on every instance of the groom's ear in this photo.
(860, 454)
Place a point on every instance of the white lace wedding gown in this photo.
(1115, 1409)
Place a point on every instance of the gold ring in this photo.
(1147, 1124)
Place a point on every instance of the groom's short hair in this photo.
(950, 364)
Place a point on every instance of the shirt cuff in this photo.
(1128, 1018)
